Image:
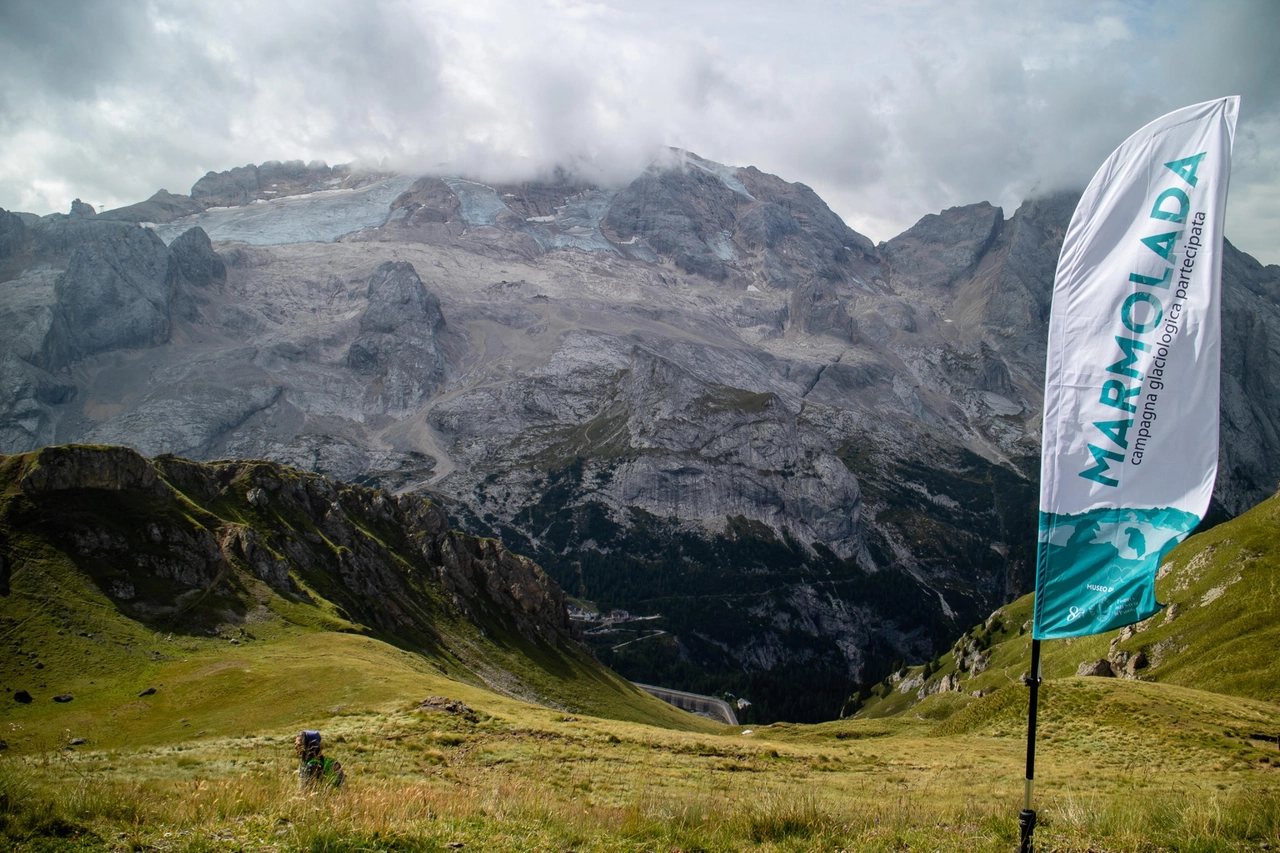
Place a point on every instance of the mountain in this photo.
(788, 457)
(115, 565)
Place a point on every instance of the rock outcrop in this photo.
(128, 520)
(397, 344)
(272, 179)
(117, 292)
(197, 262)
(76, 468)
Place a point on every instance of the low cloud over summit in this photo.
(890, 113)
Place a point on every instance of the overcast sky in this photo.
(889, 110)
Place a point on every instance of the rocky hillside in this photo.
(223, 549)
(1218, 632)
(699, 397)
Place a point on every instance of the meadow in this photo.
(1122, 766)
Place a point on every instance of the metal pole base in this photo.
(1027, 823)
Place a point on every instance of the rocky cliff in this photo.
(699, 397)
(198, 548)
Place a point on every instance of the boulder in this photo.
(22, 697)
(1136, 662)
(1098, 668)
(443, 704)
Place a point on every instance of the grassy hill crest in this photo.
(257, 592)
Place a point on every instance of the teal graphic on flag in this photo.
(1105, 564)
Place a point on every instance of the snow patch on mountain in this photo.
(319, 217)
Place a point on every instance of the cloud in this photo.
(890, 111)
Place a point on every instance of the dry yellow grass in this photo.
(521, 777)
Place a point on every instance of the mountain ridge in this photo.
(102, 540)
(699, 396)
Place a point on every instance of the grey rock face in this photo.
(1249, 455)
(164, 206)
(708, 218)
(818, 244)
(54, 237)
(397, 343)
(272, 179)
(28, 396)
(684, 214)
(221, 189)
(117, 290)
(197, 262)
(121, 289)
(189, 419)
(428, 202)
(938, 248)
(13, 235)
(37, 330)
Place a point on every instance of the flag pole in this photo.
(1027, 817)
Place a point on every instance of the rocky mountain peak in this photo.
(699, 397)
(80, 208)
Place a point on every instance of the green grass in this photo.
(1125, 766)
(1219, 633)
(231, 640)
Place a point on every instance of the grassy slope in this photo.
(1220, 632)
(292, 664)
(1124, 765)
